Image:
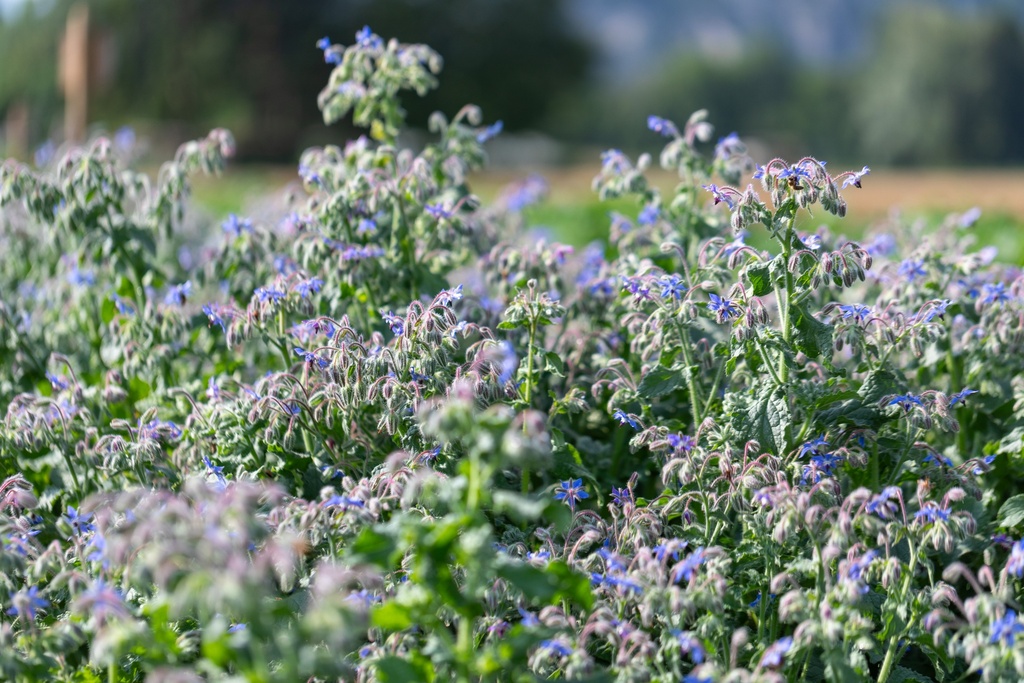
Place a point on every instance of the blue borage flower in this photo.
(570, 492)
(685, 570)
(995, 294)
(625, 419)
(556, 647)
(772, 657)
(622, 496)
(26, 603)
(343, 502)
(672, 287)
(448, 297)
(905, 401)
(438, 211)
(177, 295)
(366, 226)
(158, 430)
(265, 294)
(729, 146)
(1005, 629)
(649, 215)
(854, 177)
(722, 194)
(1015, 563)
(367, 39)
(885, 504)
(307, 287)
(690, 645)
(80, 522)
(910, 269)
(508, 362)
(930, 513)
(815, 446)
(311, 358)
(215, 315)
(490, 132)
(396, 324)
(681, 442)
(859, 312)
(234, 225)
(724, 309)
(662, 127)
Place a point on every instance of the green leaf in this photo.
(519, 507)
(107, 310)
(555, 581)
(374, 547)
(813, 337)
(769, 415)
(553, 364)
(391, 669)
(759, 275)
(901, 674)
(391, 616)
(1011, 514)
(660, 381)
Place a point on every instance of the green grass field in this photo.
(575, 216)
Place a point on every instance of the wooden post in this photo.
(75, 72)
(16, 131)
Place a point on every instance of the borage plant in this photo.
(379, 434)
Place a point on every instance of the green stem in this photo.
(768, 363)
(528, 395)
(714, 390)
(691, 384)
(890, 653)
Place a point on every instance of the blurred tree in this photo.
(943, 88)
(763, 93)
(251, 65)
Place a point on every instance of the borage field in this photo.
(387, 435)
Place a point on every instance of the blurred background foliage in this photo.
(895, 83)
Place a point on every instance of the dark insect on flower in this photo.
(854, 177)
(721, 195)
(571, 491)
(213, 313)
(396, 324)
(793, 174)
(310, 286)
(178, 294)
(268, 294)
(311, 358)
(690, 645)
(858, 312)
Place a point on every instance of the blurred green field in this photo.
(575, 216)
